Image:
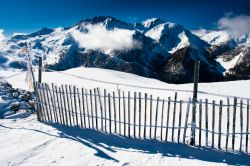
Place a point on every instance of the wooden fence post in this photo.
(196, 80)
(40, 70)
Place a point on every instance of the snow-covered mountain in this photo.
(153, 48)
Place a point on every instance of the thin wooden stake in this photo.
(105, 109)
(100, 102)
(68, 103)
(128, 113)
(109, 101)
(65, 108)
(45, 103)
(75, 102)
(83, 108)
(162, 115)
(119, 109)
(169, 102)
(145, 116)
(220, 116)
(61, 105)
(139, 114)
(114, 111)
(200, 121)
(179, 126)
(234, 120)
(91, 109)
(150, 123)
(156, 116)
(247, 132)
(213, 123)
(72, 106)
(228, 121)
(96, 113)
(134, 114)
(206, 109)
(173, 124)
(241, 124)
(186, 121)
(87, 106)
(52, 103)
(124, 113)
(80, 107)
(58, 106)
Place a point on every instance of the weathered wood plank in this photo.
(162, 115)
(186, 120)
(167, 123)
(156, 117)
(145, 116)
(228, 122)
(220, 116)
(234, 120)
(173, 124)
(179, 125)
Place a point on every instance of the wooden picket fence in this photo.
(141, 116)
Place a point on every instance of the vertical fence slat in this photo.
(162, 115)
(58, 105)
(41, 105)
(61, 105)
(124, 113)
(200, 121)
(220, 116)
(129, 114)
(72, 105)
(150, 123)
(241, 123)
(83, 110)
(48, 101)
(167, 123)
(247, 128)
(206, 111)
(105, 110)
(45, 103)
(75, 103)
(156, 116)
(135, 114)
(213, 123)
(114, 112)
(186, 120)
(173, 124)
(109, 106)
(179, 126)
(139, 114)
(80, 107)
(91, 109)
(119, 110)
(234, 120)
(96, 113)
(65, 108)
(54, 102)
(145, 116)
(68, 104)
(87, 107)
(101, 109)
(228, 121)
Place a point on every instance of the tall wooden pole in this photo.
(40, 70)
(196, 80)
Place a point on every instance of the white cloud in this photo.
(98, 37)
(2, 37)
(237, 26)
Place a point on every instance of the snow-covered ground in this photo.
(25, 141)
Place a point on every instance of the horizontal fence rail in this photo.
(221, 125)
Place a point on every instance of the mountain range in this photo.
(154, 48)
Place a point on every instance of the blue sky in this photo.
(30, 15)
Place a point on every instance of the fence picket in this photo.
(109, 106)
(68, 103)
(105, 109)
(139, 114)
(200, 121)
(72, 106)
(145, 116)
(124, 113)
(169, 102)
(241, 124)
(173, 124)
(45, 103)
(101, 109)
(80, 107)
(234, 120)
(179, 126)
(213, 123)
(64, 101)
(58, 105)
(150, 122)
(75, 103)
(50, 99)
(61, 105)
(220, 116)
(156, 116)
(247, 128)
(96, 114)
(162, 115)
(206, 109)
(114, 111)
(91, 109)
(134, 114)
(87, 106)
(119, 109)
(186, 120)
(83, 110)
(129, 114)
(54, 102)
(228, 118)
